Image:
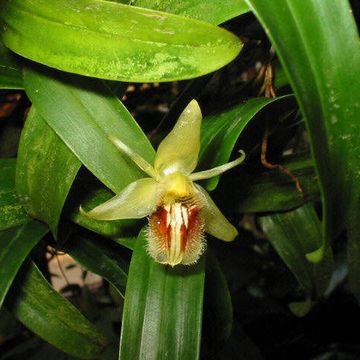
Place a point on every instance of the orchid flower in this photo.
(179, 211)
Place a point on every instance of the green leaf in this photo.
(45, 171)
(320, 53)
(11, 211)
(162, 310)
(10, 70)
(128, 242)
(295, 235)
(7, 174)
(84, 113)
(114, 41)
(217, 302)
(214, 12)
(15, 246)
(284, 195)
(101, 257)
(45, 312)
(220, 132)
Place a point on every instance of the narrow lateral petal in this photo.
(137, 200)
(179, 151)
(216, 223)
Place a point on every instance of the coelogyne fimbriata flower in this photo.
(179, 210)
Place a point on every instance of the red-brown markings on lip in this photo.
(189, 228)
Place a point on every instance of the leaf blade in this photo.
(39, 307)
(294, 235)
(209, 11)
(40, 175)
(10, 70)
(163, 308)
(61, 98)
(11, 211)
(115, 41)
(323, 71)
(15, 246)
(100, 257)
(284, 195)
(220, 133)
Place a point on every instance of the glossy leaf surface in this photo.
(46, 169)
(212, 11)
(84, 113)
(163, 309)
(296, 235)
(320, 53)
(114, 41)
(45, 312)
(15, 246)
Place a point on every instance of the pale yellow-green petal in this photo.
(218, 170)
(179, 151)
(137, 200)
(216, 223)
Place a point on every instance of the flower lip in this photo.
(176, 234)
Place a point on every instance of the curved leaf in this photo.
(114, 41)
(214, 12)
(220, 132)
(10, 70)
(320, 53)
(39, 307)
(101, 257)
(295, 235)
(15, 246)
(162, 310)
(45, 170)
(84, 113)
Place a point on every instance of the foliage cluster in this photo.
(72, 60)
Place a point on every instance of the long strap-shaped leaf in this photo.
(318, 45)
(212, 11)
(114, 41)
(38, 306)
(15, 246)
(296, 236)
(163, 309)
(83, 113)
(46, 169)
